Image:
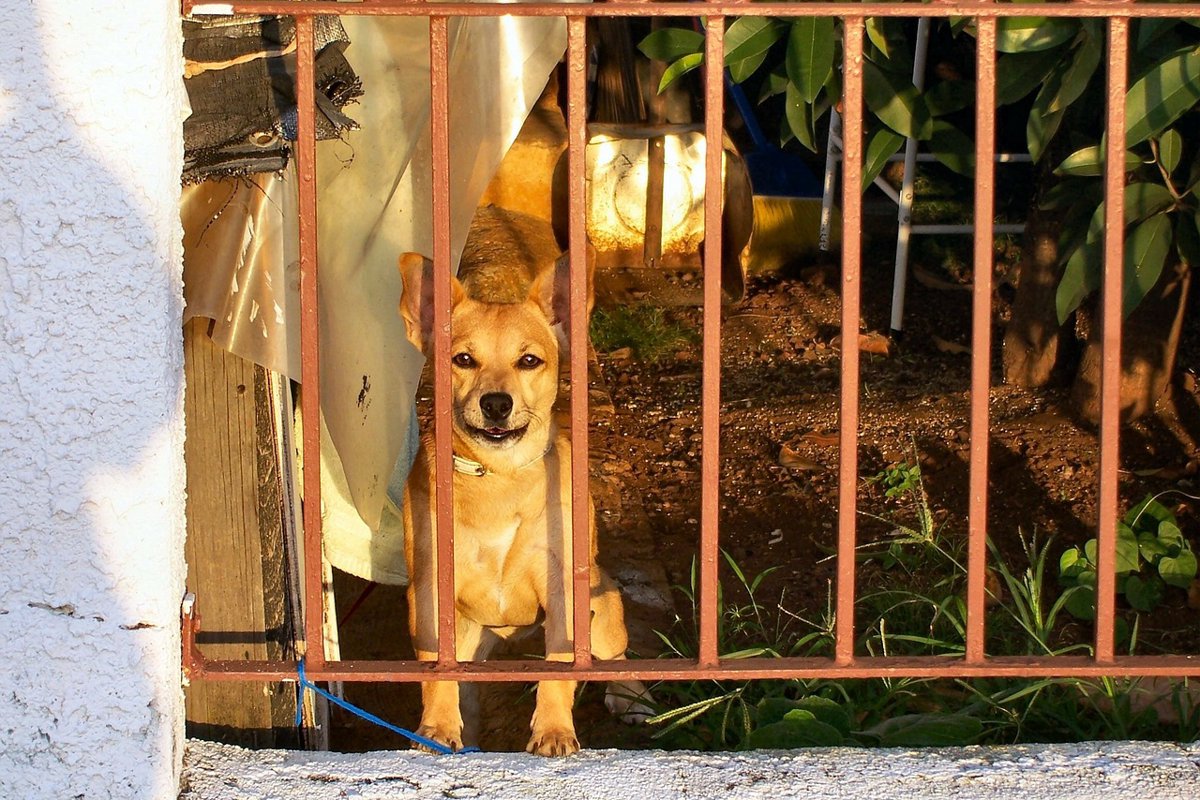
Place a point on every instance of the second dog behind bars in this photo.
(512, 499)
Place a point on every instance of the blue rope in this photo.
(305, 683)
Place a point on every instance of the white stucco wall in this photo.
(1085, 771)
(91, 423)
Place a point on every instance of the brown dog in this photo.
(512, 501)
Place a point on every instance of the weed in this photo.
(1151, 555)
(645, 330)
(929, 618)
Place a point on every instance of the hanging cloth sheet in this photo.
(374, 203)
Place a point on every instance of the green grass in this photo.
(645, 330)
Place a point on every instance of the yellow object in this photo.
(786, 229)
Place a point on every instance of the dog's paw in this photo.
(446, 735)
(628, 700)
(555, 742)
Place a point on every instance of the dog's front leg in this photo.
(553, 723)
(441, 704)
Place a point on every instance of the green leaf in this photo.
(1077, 76)
(882, 144)
(896, 102)
(927, 730)
(1041, 127)
(1178, 571)
(771, 710)
(1187, 239)
(953, 148)
(810, 51)
(1127, 551)
(798, 728)
(1144, 594)
(1088, 162)
(827, 711)
(1142, 199)
(1070, 564)
(1150, 547)
(680, 68)
(776, 83)
(669, 44)
(1081, 601)
(747, 41)
(1162, 96)
(1169, 534)
(799, 117)
(1170, 150)
(1145, 254)
(1149, 515)
(1081, 277)
(1150, 33)
(946, 97)
(888, 34)
(1026, 34)
(1018, 74)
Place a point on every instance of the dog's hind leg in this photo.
(626, 699)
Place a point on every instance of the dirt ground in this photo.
(779, 403)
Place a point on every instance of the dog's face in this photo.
(504, 361)
(505, 372)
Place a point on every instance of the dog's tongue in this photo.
(496, 431)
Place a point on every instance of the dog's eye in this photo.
(464, 360)
(529, 361)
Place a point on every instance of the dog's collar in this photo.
(468, 467)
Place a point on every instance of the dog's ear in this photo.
(552, 289)
(416, 304)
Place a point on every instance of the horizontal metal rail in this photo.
(974, 662)
(731, 8)
(739, 669)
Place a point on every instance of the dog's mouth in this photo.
(498, 435)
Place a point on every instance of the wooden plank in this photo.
(234, 547)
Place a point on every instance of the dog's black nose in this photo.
(495, 406)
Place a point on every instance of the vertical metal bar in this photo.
(310, 377)
(439, 94)
(852, 137)
(904, 211)
(580, 509)
(1110, 371)
(981, 336)
(710, 418)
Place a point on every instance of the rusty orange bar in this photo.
(1110, 370)
(710, 415)
(981, 334)
(310, 375)
(581, 518)
(852, 137)
(439, 122)
(665, 8)
(728, 669)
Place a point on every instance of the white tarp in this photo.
(374, 203)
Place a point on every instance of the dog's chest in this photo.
(498, 578)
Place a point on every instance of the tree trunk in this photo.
(1033, 340)
(1150, 341)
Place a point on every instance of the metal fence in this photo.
(844, 663)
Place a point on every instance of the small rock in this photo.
(621, 355)
(792, 460)
(994, 589)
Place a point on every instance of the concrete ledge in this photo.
(1092, 770)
